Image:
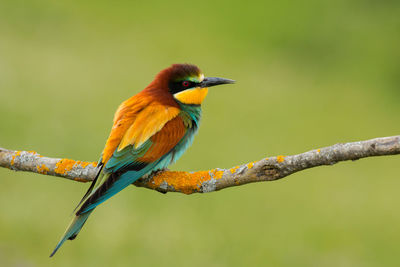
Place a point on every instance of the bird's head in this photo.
(187, 84)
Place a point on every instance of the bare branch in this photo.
(268, 169)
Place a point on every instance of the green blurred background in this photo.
(309, 74)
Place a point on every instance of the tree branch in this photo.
(268, 169)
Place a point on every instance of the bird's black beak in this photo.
(212, 81)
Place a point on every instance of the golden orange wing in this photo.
(136, 120)
(148, 122)
(165, 140)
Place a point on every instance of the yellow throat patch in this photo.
(194, 96)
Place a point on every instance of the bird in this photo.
(150, 131)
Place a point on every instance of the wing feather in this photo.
(128, 165)
(165, 140)
(148, 122)
(135, 121)
(132, 145)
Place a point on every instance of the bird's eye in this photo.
(185, 83)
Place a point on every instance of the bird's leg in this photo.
(154, 173)
(148, 176)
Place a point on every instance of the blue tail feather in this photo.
(72, 230)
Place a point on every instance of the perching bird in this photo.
(151, 130)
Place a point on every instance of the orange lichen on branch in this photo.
(84, 164)
(280, 159)
(318, 150)
(251, 164)
(64, 165)
(184, 182)
(14, 156)
(233, 170)
(216, 174)
(42, 169)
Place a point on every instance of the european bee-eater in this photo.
(151, 130)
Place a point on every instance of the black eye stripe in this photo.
(176, 87)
